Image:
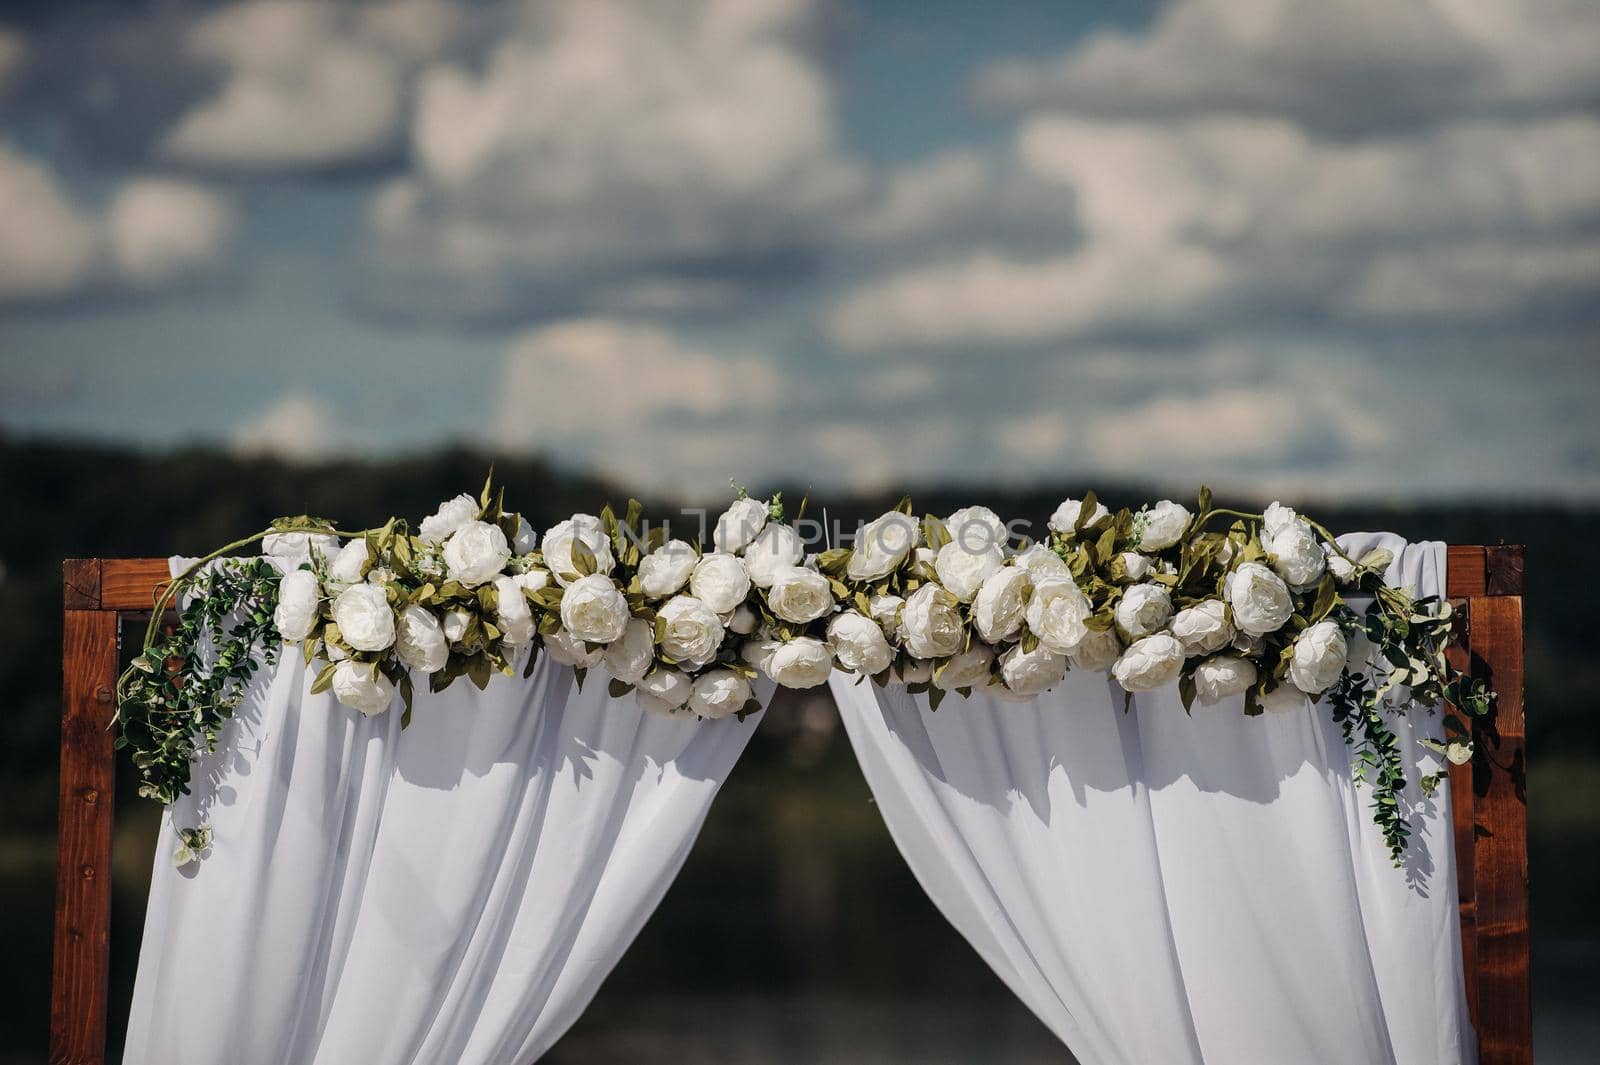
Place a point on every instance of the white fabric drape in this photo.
(1164, 889)
(452, 895)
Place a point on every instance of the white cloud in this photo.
(1340, 65)
(162, 232)
(297, 428)
(48, 247)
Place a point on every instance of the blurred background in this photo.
(268, 258)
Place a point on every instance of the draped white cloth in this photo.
(453, 896)
(1165, 889)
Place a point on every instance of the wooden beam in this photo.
(83, 848)
(132, 584)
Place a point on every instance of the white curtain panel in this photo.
(455, 894)
(1161, 888)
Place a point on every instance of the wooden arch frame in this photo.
(1489, 801)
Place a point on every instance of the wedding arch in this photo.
(1483, 585)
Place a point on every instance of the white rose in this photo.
(455, 624)
(1284, 699)
(1143, 609)
(1204, 627)
(1058, 613)
(859, 644)
(1221, 676)
(514, 618)
(1338, 565)
(720, 582)
(977, 529)
(690, 631)
(663, 691)
(774, 547)
(361, 687)
(558, 542)
(912, 671)
(1032, 672)
(758, 653)
(803, 662)
(296, 612)
(1259, 598)
(882, 545)
(1097, 651)
(1277, 517)
(293, 550)
(533, 580)
(799, 594)
(1163, 525)
(1150, 663)
(345, 569)
(1297, 555)
(1135, 565)
(476, 553)
(1040, 561)
(719, 693)
(526, 539)
(965, 669)
(1319, 658)
(628, 658)
(739, 524)
(1065, 519)
(962, 570)
(364, 618)
(885, 610)
(665, 570)
(451, 515)
(594, 610)
(930, 623)
(567, 649)
(1001, 604)
(743, 621)
(419, 641)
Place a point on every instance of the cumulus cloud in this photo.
(154, 234)
(298, 427)
(1341, 66)
(606, 143)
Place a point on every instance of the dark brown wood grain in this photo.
(83, 848)
(1465, 573)
(80, 584)
(132, 584)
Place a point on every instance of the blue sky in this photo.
(1346, 249)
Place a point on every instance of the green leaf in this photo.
(324, 679)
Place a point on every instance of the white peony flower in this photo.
(858, 643)
(1297, 555)
(1135, 565)
(1203, 628)
(962, 570)
(663, 691)
(799, 594)
(774, 547)
(743, 620)
(361, 687)
(1259, 598)
(1163, 525)
(803, 662)
(296, 613)
(1220, 676)
(719, 693)
(533, 580)
(882, 545)
(1284, 699)
(885, 610)
(455, 624)
(1001, 604)
(666, 570)
(293, 549)
(513, 617)
(594, 610)
(978, 529)
(1097, 651)
(1150, 663)
(1143, 609)
(629, 656)
(364, 618)
(739, 524)
(419, 641)
(567, 649)
(1277, 517)
(1319, 658)
(1338, 565)
(345, 569)
(558, 541)
(1065, 519)
(451, 515)
(1040, 561)
(526, 539)
(476, 553)
(1247, 644)
(1058, 613)
(930, 623)
(1029, 673)
(965, 669)
(691, 632)
(758, 652)
(720, 582)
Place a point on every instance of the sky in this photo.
(1348, 248)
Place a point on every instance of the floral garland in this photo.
(1218, 602)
